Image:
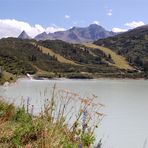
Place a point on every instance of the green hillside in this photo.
(60, 59)
(18, 57)
(118, 61)
(76, 52)
(133, 45)
(50, 52)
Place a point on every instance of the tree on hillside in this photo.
(138, 61)
(145, 65)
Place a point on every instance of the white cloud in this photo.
(96, 22)
(12, 28)
(128, 26)
(135, 24)
(67, 16)
(110, 12)
(53, 29)
(118, 30)
(39, 28)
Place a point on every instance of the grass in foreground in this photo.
(61, 124)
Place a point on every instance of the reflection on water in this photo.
(126, 101)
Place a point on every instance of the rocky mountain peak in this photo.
(24, 35)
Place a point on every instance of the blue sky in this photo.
(60, 14)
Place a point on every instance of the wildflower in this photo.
(84, 125)
(80, 145)
(85, 101)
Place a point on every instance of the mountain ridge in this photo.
(73, 35)
(78, 34)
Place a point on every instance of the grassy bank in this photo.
(7, 77)
(84, 75)
(60, 124)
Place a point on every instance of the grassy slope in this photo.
(133, 45)
(42, 73)
(119, 61)
(57, 56)
(74, 52)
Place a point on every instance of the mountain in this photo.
(78, 34)
(24, 35)
(133, 45)
(42, 36)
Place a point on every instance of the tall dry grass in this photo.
(67, 120)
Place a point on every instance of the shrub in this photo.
(22, 116)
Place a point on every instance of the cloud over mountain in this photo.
(118, 30)
(12, 28)
(129, 25)
(135, 24)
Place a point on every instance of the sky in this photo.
(37, 16)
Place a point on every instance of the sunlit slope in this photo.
(57, 56)
(119, 61)
(41, 71)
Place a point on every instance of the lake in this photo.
(126, 105)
